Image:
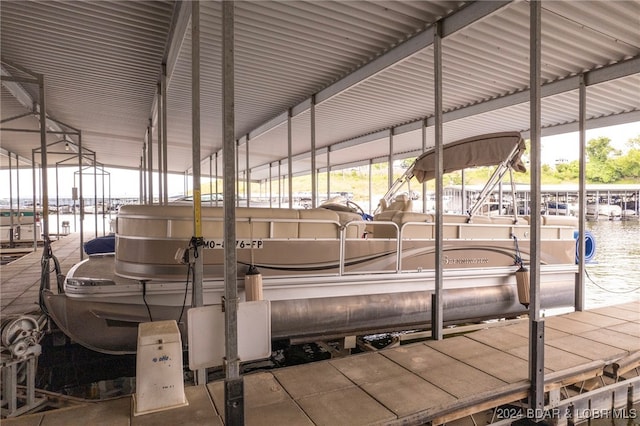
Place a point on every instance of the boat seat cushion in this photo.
(283, 225)
(402, 203)
(404, 221)
(330, 229)
(355, 230)
(560, 220)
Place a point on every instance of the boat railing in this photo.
(147, 240)
(455, 227)
(367, 224)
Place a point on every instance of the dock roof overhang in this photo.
(368, 66)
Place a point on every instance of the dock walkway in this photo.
(20, 279)
(431, 382)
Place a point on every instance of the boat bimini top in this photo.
(503, 150)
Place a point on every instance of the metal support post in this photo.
(314, 172)
(197, 292)
(436, 325)
(165, 167)
(43, 164)
(150, 159)
(247, 172)
(582, 197)
(160, 171)
(234, 385)
(536, 368)
(289, 158)
(536, 327)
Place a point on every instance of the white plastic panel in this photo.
(207, 339)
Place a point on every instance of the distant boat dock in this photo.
(560, 199)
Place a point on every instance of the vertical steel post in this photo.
(210, 175)
(247, 172)
(582, 196)
(328, 175)
(57, 204)
(424, 148)
(144, 172)
(165, 167)
(11, 216)
(95, 196)
(233, 383)
(280, 182)
(80, 196)
(141, 178)
(390, 168)
(270, 186)
(160, 170)
(150, 159)
(103, 204)
(436, 305)
(536, 327)
(463, 198)
(17, 184)
(370, 186)
(33, 176)
(289, 158)
(197, 293)
(43, 159)
(314, 173)
(237, 175)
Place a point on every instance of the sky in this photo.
(125, 183)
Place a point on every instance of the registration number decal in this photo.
(240, 244)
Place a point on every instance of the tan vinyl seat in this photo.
(401, 203)
(328, 228)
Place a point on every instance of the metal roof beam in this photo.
(450, 24)
(24, 98)
(175, 39)
(600, 75)
(382, 134)
(16, 89)
(597, 76)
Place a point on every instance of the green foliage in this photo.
(599, 149)
(604, 164)
(629, 165)
(602, 172)
(634, 143)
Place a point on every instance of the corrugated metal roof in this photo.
(102, 61)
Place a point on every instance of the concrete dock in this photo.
(431, 382)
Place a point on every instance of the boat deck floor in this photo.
(428, 382)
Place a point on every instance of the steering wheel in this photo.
(356, 207)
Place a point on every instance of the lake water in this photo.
(613, 277)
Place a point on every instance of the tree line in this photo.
(604, 164)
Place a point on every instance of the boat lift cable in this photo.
(186, 290)
(607, 290)
(45, 274)
(518, 256)
(144, 297)
(188, 257)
